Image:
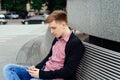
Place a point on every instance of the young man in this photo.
(62, 60)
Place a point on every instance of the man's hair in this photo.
(57, 15)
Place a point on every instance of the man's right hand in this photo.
(34, 72)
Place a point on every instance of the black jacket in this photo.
(74, 51)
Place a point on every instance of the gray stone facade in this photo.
(99, 18)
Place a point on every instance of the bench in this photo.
(97, 63)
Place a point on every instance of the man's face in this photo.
(57, 28)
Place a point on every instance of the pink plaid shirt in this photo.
(56, 61)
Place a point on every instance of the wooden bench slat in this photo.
(107, 59)
(103, 66)
(107, 64)
(95, 69)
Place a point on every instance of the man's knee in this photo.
(8, 67)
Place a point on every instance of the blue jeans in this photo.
(17, 72)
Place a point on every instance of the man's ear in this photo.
(64, 24)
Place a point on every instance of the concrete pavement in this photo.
(12, 37)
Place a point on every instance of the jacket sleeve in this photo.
(74, 53)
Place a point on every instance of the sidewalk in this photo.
(12, 38)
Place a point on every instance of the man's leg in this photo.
(39, 79)
(35, 79)
(15, 72)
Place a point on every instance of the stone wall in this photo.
(99, 18)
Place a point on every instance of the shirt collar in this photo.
(66, 38)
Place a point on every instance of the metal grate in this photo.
(99, 63)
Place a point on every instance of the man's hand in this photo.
(34, 72)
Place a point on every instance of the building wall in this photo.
(99, 18)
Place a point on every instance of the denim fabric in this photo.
(39, 79)
(17, 72)
(36, 79)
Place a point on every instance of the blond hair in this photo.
(58, 15)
